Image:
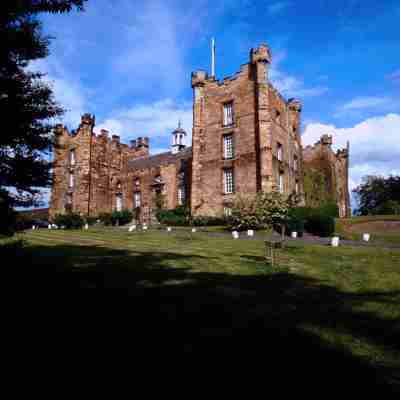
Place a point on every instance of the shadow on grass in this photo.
(244, 326)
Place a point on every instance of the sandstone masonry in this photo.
(245, 139)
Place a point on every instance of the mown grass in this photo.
(326, 314)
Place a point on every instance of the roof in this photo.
(160, 159)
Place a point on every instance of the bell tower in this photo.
(178, 139)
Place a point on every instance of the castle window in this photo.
(280, 182)
(228, 146)
(279, 152)
(296, 187)
(227, 211)
(228, 114)
(181, 195)
(228, 181)
(137, 182)
(137, 199)
(295, 163)
(71, 181)
(72, 158)
(118, 202)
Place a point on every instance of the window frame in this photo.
(137, 199)
(226, 121)
(225, 156)
(228, 184)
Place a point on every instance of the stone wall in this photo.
(99, 170)
(261, 120)
(326, 175)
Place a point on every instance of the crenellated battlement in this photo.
(261, 54)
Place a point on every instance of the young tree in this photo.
(260, 210)
(26, 102)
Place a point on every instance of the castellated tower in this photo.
(326, 175)
(246, 137)
(89, 173)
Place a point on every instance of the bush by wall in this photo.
(320, 224)
(210, 221)
(7, 215)
(121, 217)
(69, 221)
(177, 217)
(105, 218)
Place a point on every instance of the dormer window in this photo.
(228, 114)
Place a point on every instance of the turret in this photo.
(178, 139)
(261, 57)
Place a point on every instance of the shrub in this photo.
(389, 207)
(91, 220)
(105, 218)
(260, 210)
(295, 224)
(121, 217)
(69, 221)
(330, 209)
(210, 221)
(178, 216)
(320, 224)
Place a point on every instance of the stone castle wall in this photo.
(261, 120)
(326, 175)
(107, 172)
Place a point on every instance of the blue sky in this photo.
(129, 63)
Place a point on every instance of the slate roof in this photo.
(160, 159)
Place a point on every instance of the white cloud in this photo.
(278, 7)
(374, 145)
(67, 91)
(289, 85)
(156, 120)
(367, 102)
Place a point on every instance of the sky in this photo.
(129, 63)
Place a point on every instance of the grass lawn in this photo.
(322, 316)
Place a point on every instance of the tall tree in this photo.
(378, 195)
(27, 104)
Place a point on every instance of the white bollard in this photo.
(250, 232)
(144, 227)
(49, 226)
(235, 235)
(366, 237)
(169, 229)
(33, 227)
(294, 235)
(194, 230)
(335, 241)
(132, 228)
(86, 226)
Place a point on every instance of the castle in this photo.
(245, 139)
